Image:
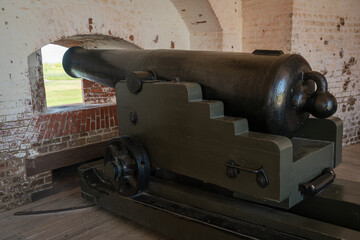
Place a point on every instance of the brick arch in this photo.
(88, 41)
(139, 22)
(205, 30)
(93, 93)
(198, 16)
(125, 24)
(213, 25)
(67, 120)
(93, 41)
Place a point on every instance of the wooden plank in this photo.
(65, 158)
(80, 224)
(59, 226)
(349, 169)
(17, 225)
(38, 204)
(109, 229)
(85, 227)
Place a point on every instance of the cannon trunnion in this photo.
(187, 155)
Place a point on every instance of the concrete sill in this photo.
(75, 107)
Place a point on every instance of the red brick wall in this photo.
(94, 93)
(15, 186)
(40, 131)
(42, 134)
(82, 121)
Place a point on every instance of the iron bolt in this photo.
(133, 117)
(232, 172)
(262, 180)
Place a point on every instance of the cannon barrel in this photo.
(276, 92)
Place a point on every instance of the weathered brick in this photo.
(4, 146)
(94, 93)
(6, 199)
(15, 171)
(57, 147)
(110, 135)
(43, 149)
(3, 164)
(48, 179)
(92, 133)
(18, 195)
(37, 182)
(84, 134)
(18, 187)
(45, 174)
(78, 142)
(51, 141)
(16, 179)
(43, 186)
(94, 139)
(75, 136)
(65, 139)
(2, 192)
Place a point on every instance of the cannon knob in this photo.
(134, 80)
(321, 103)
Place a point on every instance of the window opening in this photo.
(60, 88)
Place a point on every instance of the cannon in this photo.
(274, 91)
(208, 139)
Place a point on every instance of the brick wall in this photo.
(327, 34)
(43, 134)
(95, 93)
(47, 128)
(15, 186)
(266, 25)
(27, 128)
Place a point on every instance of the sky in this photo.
(52, 53)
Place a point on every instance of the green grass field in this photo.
(60, 88)
(62, 92)
(55, 71)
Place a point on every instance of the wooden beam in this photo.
(65, 158)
